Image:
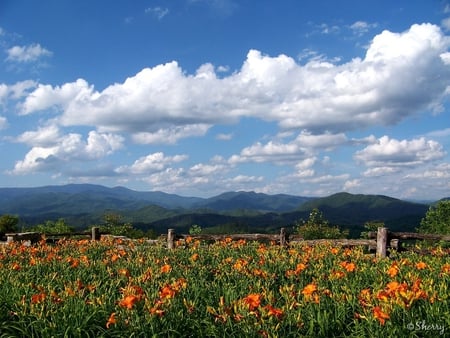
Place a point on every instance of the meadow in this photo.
(119, 288)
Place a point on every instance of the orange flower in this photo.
(166, 268)
(38, 298)
(194, 257)
(300, 267)
(128, 302)
(350, 267)
(253, 300)
(124, 272)
(393, 270)
(16, 266)
(421, 266)
(380, 315)
(334, 251)
(446, 268)
(111, 320)
(167, 292)
(274, 312)
(309, 289)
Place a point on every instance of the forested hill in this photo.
(85, 204)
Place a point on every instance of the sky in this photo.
(199, 97)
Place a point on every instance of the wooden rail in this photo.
(381, 240)
(34, 237)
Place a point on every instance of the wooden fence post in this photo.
(282, 237)
(95, 235)
(170, 238)
(382, 239)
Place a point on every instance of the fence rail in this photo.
(33, 237)
(381, 240)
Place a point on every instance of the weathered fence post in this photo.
(95, 235)
(382, 239)
(170, 238)
(282, 237)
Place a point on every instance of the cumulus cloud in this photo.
(387, 152)
(47, 155)
(151, 163)
(400, 75)
(15, 91)
(25, 54)
(171, 134)
(302, 147)
(42, 137)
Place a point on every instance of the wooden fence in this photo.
(34, 237)
(380, 240)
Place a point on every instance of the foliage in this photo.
(114, 225)
(195, 229)
(371, 226)
(116, 288)
(53, 227)
(437, 219)
(317, 227)
(8, 223)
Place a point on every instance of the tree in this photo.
(437, 219)
(114, 225)
(371, 226)
(8, 223)
(317, 227)
(53, 227)
(195, 229)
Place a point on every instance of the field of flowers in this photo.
(116, 288)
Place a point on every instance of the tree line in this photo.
(436, 221)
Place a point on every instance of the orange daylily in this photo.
(167, 292)
(274, 312)
(380, 315)
(393, 270)
(38, 298)
(129, 301)
(166, 268)
(350, 267)
(253, 300)
(111, 320)
(309, 289)
(421, 265)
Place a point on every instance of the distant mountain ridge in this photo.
(85, 204)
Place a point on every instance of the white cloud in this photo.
(362, 27)
(15, 91)
(446, 24)
(402, 74)
(46, 155)
(302, 147)
(43, 136)
(351, 184)
(170, 135)
(151, 163)
(441, 171)
(224, 137)
(3, 122)
(157, 11)
(29, 53)
(394, 153)
(380, 171)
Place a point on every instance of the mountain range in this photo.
(82, 205)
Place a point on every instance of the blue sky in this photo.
(198, 97)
